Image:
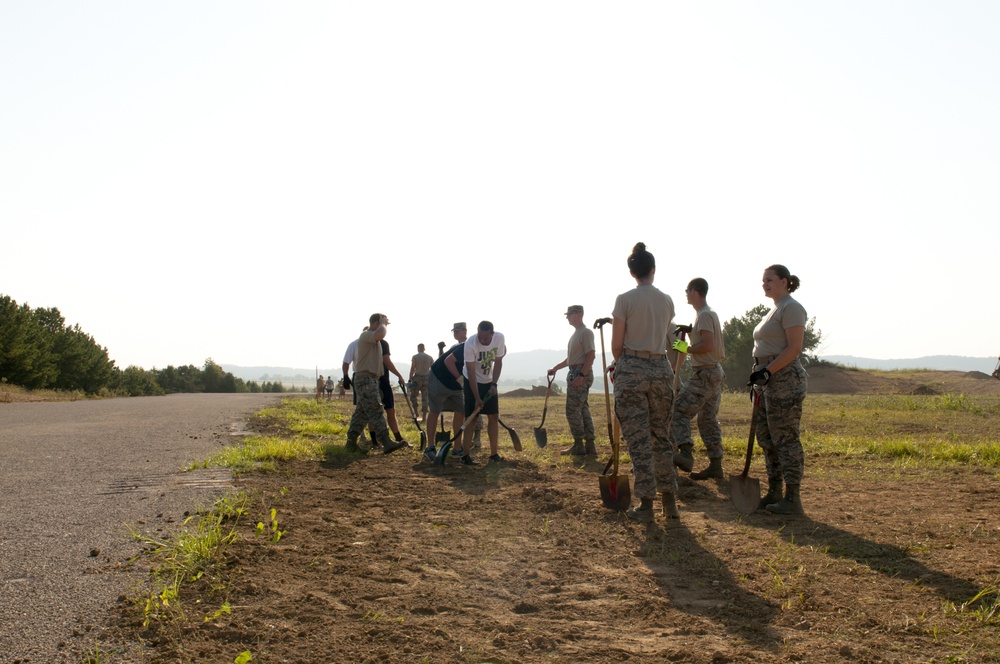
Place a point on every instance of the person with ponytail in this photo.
(777, 343)
(644, 385)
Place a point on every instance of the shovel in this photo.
(615, 491)
(541, 436)
(445, 449)
(745, 491)
(442, 436)
(514, 438)
(682, 330)
(406, 398)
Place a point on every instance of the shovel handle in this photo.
(753, 432)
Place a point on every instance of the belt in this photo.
(368, 374)
(761, 361)
(644, 354)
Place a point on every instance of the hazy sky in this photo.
(248, 181)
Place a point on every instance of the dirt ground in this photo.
(391, 559)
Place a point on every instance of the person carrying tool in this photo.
(580, 355)
(644, 385)
(702, 394)
(444, 387)
(369, 367)
(320, 385)
(777, 343)
(420, 365)
(484, 355)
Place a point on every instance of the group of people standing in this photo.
(652, 407)
(655, 415)
(462, 379)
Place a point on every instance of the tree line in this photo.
(39, 351)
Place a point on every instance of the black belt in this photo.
(644, 354)
(760, 361)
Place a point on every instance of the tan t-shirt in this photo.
(769, 336)
(707, 320)
(421, 364)
(581, 343)
(647, 312)
(369, 358)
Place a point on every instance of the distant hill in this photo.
(528, 368)
(933, 362)
(519, 369)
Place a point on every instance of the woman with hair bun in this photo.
(643, 385)
(777, 344)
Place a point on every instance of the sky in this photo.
(249, 181)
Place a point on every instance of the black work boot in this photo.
(577, 450)
(773, 495)
(683, 458)
(590, 447)
(791, 503)
(643, 512)
(670, 506)
(714, 471)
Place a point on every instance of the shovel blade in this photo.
(423, 441)
(745, 492)
(442, 454)
(541, 437)
(441, 437)
(515, 440)
(615, 492)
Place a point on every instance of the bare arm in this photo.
(706, 345)
(387, 363)
(617, 338)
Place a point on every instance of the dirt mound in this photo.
(841, 380)
(534, 391)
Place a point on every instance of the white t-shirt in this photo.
(483, 356)
(352, 352)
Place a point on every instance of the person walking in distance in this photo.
(329, 387)
(368, 367)
(444, 387)
(320, 386)
(420, 366)
(580, 355)
(644, 385)
(484, 355)
(777, 344)
(702, 394)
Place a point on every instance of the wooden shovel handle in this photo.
(753, 431)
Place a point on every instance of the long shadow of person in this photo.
(887, 559)
(697, 582)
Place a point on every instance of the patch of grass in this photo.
(193, 555)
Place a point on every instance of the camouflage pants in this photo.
(643, 400)
(700, 396)
(419, 388)
(581, 424)
(778, 419)
(368, 411)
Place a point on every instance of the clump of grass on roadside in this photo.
(196, 554)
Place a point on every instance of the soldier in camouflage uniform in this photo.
(580, 360)
(778, 342)
(368, 368)
(702, 394)
(644, 385)
(420, 366)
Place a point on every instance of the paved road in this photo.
(73, 475)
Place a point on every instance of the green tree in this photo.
(25, 346)
(737, 333)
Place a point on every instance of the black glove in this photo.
(759, 377)
(346, 382)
